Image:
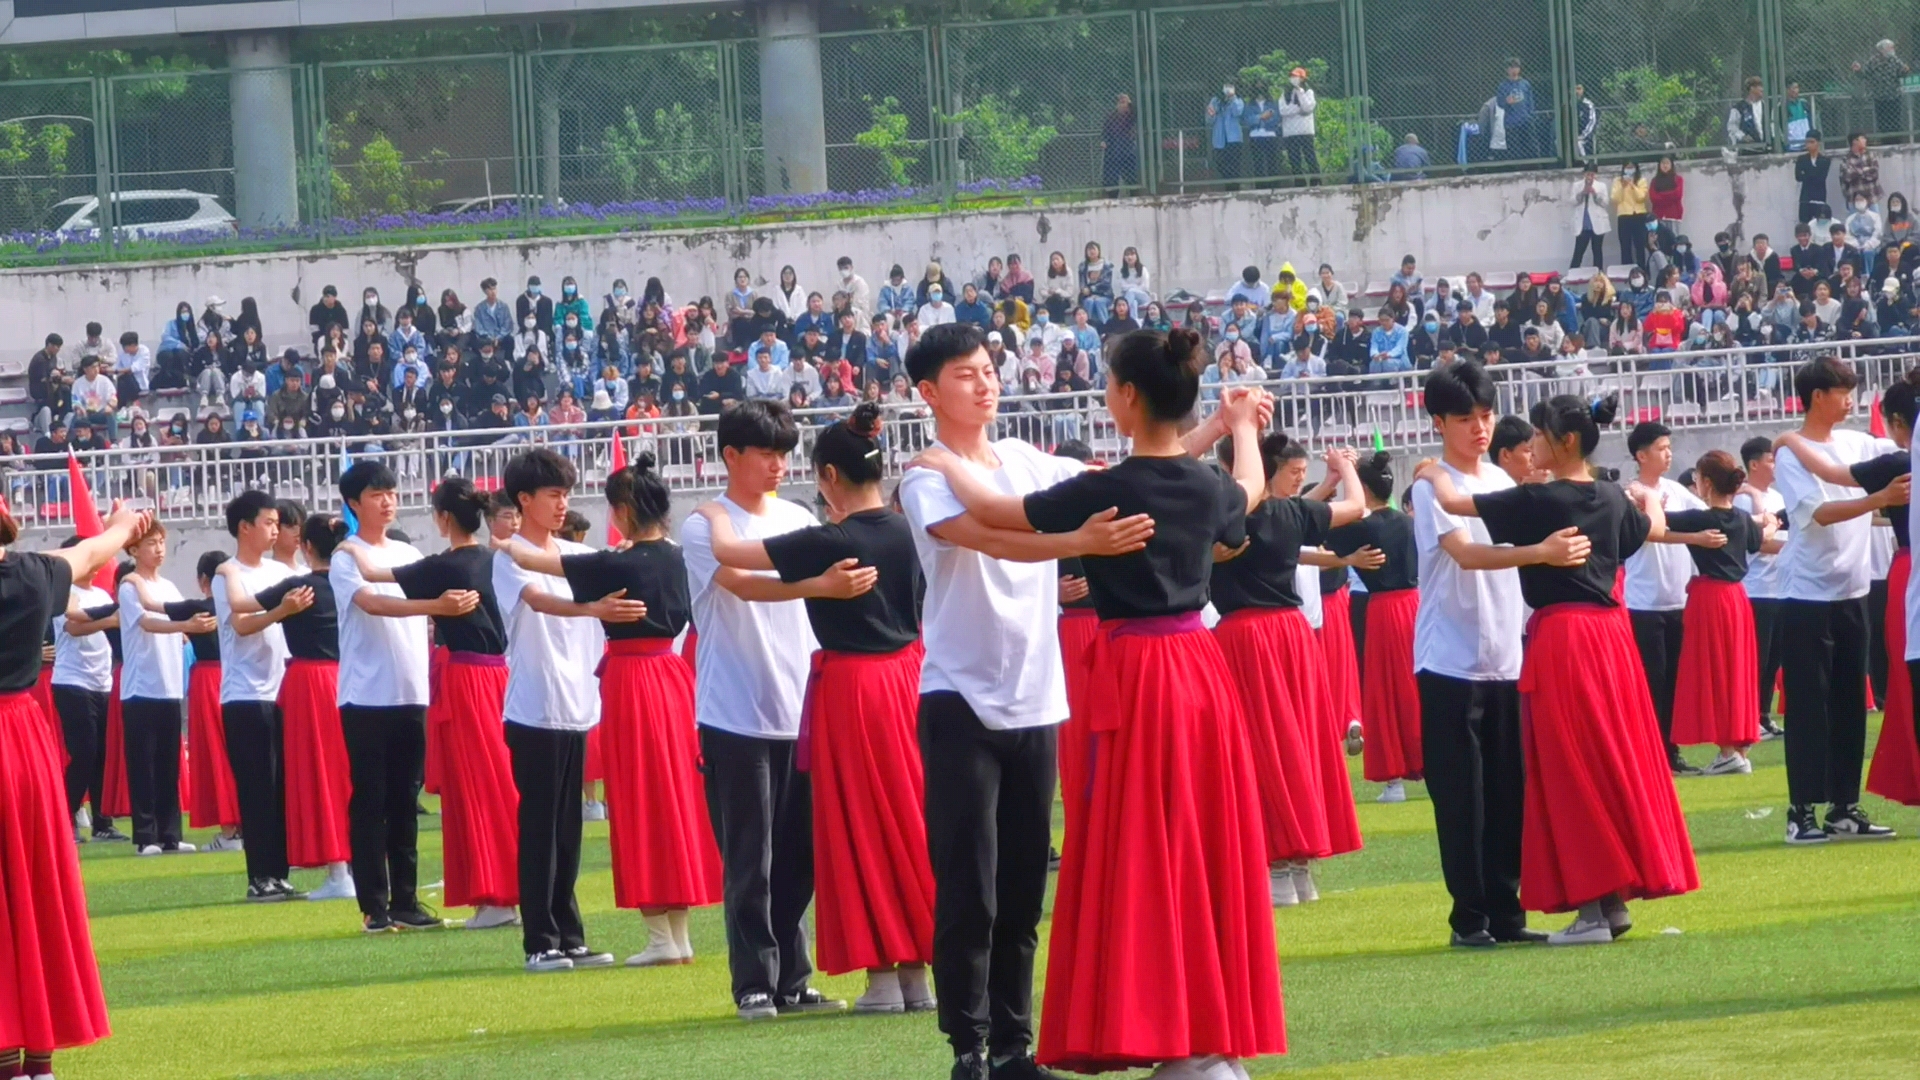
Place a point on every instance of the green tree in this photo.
(1338, 126)
(1000, 142)
(667, 160)
(887, 138)
(1680, 109)
(33, 161)
(380, 182)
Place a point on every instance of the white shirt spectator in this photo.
(550, 658)
(1470, 621)
(935, 314)
(769, 384)
(243, 386)
(383, 661)
(96, 394)
(139, 362)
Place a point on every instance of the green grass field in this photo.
(1787, 963)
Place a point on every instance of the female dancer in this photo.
(1079, 625)
(1275, 659)
(1171, 860)
(319, 782)
(153, 695)
(1390, 698)
(874, 883)
(1343, 660)
(665, 859)
(479, 805)
(1603, 824)
(49, 982)
(1715, 698)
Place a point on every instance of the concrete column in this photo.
(793, 120)
(266, 184)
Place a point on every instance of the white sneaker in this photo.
(1303, 886)
(915, 991)
(1729, 765)
(593, 811)
(1583, 931)
(181, 848)
(1280, 887)
(657, 954)
(338, 886)
(883, 994)
(1395, 791)
(83, 819)
(1356, 740)
(226, 843)
(491, 916)
(150, 849)
(682, 938)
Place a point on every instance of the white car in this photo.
(486, 202)
(144, 213)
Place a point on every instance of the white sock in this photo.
(677, 919)
(883, 983)
(913, 982)
(1593, 912)
(339, 871)
(659, 931)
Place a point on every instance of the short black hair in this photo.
(1645, 434)
(762, 425)
(1509, 432)
(364, 476)
(1822, 373)
(941, 345)
(1459, 389)
(500, 503)
(248, 506)
(1164, 368)
(1074, 449)
(209, 562)
(1754, 449)
(292, 514)
(534, 470)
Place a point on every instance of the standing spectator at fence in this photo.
(1796, 115)
(1586, 122)
(1515, 95)
(1225, 132)
(1632, 207)
(1859, 172)
(1120, 147)
(1263, 138)
(1667, 192)
(1747, 121)
(1590, 224)
(1883, 73)
(1297, 107)
(1810, 170)
(328, 313)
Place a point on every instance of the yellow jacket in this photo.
(1298, 300)
(1629, 197)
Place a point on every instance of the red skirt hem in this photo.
(212, 798)
(1895, 773)
(319, 778)
(1389, 695)
(115, 800)
(664, 852)
(479, 805)
(1077, 632)
(1716, 699)
(1343, 660)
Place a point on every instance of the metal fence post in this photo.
(1353, 35)
(103, 160)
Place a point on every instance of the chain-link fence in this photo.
(1829, 47)
(616, 127)
(413, 136)
(47, 154)
(1662, 76)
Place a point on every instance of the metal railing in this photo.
(1733, 389)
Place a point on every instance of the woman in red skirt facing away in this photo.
(1343, 660)
(49, 982)
(1276, 665)
(211, 799)
(1162, 948)
(665, 859)
(1603, 824)
(319, 782)
(1079, 625)
(1389, 696)
(479, 805)
(1715, 699)
(873, 906)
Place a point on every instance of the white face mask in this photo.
(529, 322)
(1296, 80)
(373, 299)
(446, 406)
(337, 412)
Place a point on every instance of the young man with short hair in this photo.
(1656, 589)
(1763, 573)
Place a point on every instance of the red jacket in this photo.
(1664, 330)
(1667, 204)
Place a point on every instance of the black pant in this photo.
(1877, 639)
(1826, 668)
(1657, 633)
(1357, 615)
(1226, 161)
(989, 830)
(1887, 116)
(762, 811)
(385, 747)
(1302, 160)
(259, 764)
(151, 735)
(83, 723)
(1476, 777)
(1599, 242)
(1265, 155)
(1770, 644)
(1632, 229)
(546, 768)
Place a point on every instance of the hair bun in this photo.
(1180, 345)
(1603, 410)
(643, 461)
(865, 421)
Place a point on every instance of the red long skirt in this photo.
(1389, 695)
(49, 982)
(1280, 697)
(114, 798)
(593, 767)
(1601, 814)
(43, 697)
(433, 766)
(1343, 663)
(479, 805)
(211, 800)
(319, 778)
(1078, 628)
(690, 647)
(873, 904)
(1716, 700)
(1895, 773)
(664, 853)
(1172, 863)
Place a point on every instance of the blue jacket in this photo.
(977, 313)
(1225, 123)
(1391, 340)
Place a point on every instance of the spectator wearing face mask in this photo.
(1864, 233)
(1226, 131)
(533, 303)
(178, 340)
(936, 311)
(371, 310)
(411, 359)
(289, 399)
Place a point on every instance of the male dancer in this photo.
(1466, 659)
(1763, 573)
(993, 690)
(82, 679)
(251, 666)
(1824, 573)
(1657, 577)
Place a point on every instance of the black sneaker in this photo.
(419, 918)
(584, 957)
(1020, 1067)
(109, 835)
(1479, 939)
(1521, 936)
(809, 1000)
(1803, 829)
(1680, 765)
(1053, 859)
(1769, 730)
(758, 1006)
(287, 891)
(969, 1066)
(1850, 823)
(381, 923)
(265, 891)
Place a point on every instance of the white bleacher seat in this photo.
(1682, 412)
(1499, 281)
(1620, 271)
(1579, 276)
(1375, 289)
(16, 424)
(10, 369)
(13, 395)
(1329, 432)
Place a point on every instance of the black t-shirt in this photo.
(1723, 563)
(1332, 580)
(313, 634)
(113, 632)
(33, 588)
(884, 619)
(1073, 568)
(1529, 513)
(1391, 532)
(1875, 474)
(653, 572)
(1193, 505)
(206, 647)
(1262, 576)
(478, 631)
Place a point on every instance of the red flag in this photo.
(619, 462)
(86, 517)
(1877, 424)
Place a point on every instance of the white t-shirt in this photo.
(1657, 574)
(752, 661)
(251, 667)
(991, 627)
(1306, 582)
(550, 658)
(152, 666)
(1470, 621)
(383, 661)
(1913, 581)
(1763, 571)
(1825, 562)
(86, 662)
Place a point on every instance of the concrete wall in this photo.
(1519, 222)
